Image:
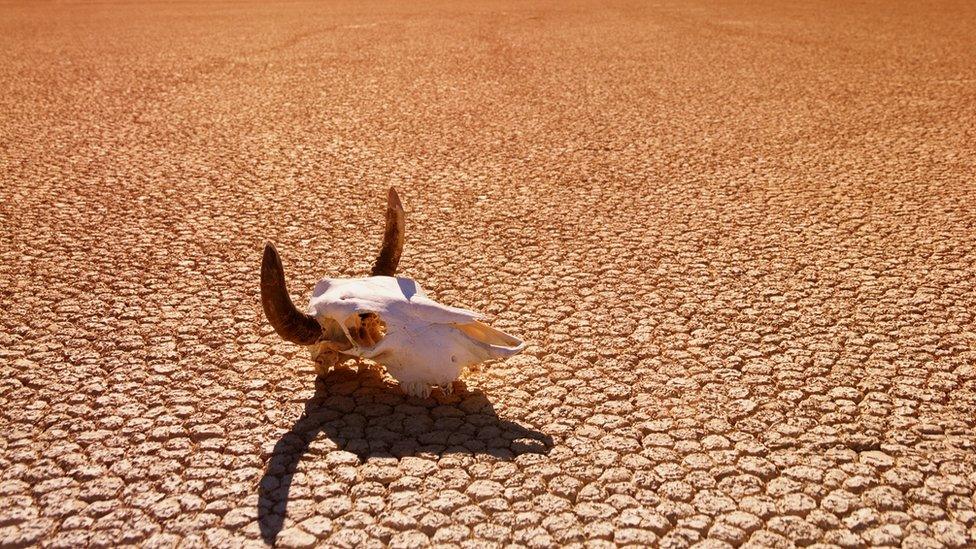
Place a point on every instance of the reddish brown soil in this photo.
(737, 236)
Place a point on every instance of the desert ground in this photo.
(738, 238)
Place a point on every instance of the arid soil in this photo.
(738, 238)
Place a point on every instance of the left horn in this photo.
(389, 258)
(290, 323)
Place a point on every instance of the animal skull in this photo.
(387, 319)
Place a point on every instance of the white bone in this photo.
(425, 344)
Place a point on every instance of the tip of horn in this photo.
(271, 259)
(393, 199)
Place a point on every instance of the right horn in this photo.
(389, 258)
(290, 323)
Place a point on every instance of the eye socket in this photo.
(366, 329)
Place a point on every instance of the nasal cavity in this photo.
(365, 329)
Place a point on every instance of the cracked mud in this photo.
(738, 240)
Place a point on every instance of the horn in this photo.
(291, 324)
(389, 258)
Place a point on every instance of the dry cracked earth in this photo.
(737, 237)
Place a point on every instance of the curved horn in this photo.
(389, 258)
(291, 324)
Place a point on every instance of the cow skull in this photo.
(387, 319)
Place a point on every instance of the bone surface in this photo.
(391, 321)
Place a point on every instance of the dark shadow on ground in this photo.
(363, 414)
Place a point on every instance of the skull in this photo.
(389, 320)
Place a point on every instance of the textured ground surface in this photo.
(739, 240)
